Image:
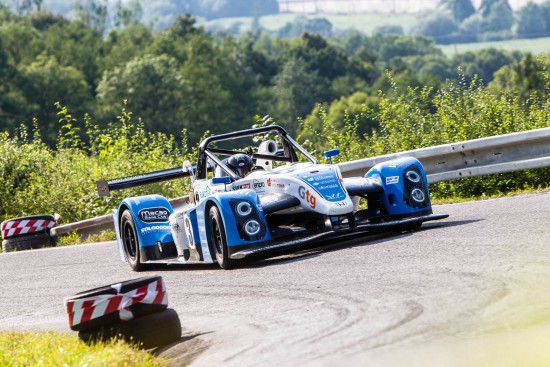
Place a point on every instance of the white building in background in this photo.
(370, 6)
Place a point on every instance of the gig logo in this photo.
(307, 196)
(151, 215)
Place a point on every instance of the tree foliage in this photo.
(371, 94)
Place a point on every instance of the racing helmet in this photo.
(240, 163)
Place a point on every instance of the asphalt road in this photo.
(469, 290)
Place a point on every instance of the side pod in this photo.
(150, 216)
(405, 187)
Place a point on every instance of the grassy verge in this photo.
(536, 46)
(365, 23)
(25, 348)
(74, 238)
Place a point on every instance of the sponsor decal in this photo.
(205, 193)
(151, 215)
(258, 184)
(307, 196)
(282, 186)
(326, 187)
(319, 177)
(392, 180)
(241, 187)
(152, 229)
(335, 196)
(269, 182)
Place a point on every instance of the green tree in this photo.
(439, 26)
(483, 63)
(487, 6)
(152, 86)
(127, 14)
(20, 42)
(358, 107)
(460, 9)
(296, 89)
(500, 17)
(13, 103)
(76, 46)
(46, 82)
(531, 21)
(122, 45)
(522, 79)
(301, 25)
(92, 13)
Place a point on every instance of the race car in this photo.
(263, 197)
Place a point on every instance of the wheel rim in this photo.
(130, 242)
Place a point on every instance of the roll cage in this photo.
(207, 150)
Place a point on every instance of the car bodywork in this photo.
(289, 200)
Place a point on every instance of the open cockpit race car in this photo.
(262, 198)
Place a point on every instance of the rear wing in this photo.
(104, 187)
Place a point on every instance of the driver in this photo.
(241, 164)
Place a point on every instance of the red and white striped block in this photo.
(11, 228)
(86, 309)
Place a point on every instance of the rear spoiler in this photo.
(104, 187)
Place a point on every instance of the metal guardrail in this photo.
(94, 225)
(485, 156)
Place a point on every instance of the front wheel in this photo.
(130, 241)
(217, 238)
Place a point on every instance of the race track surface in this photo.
(468, 290)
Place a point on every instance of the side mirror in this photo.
(331, 153)
(221, 180)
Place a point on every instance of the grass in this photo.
(535, 46)
(365, 23)
(48, 348)
(74, 238)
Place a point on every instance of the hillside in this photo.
(372, 6)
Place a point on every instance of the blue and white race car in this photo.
(262, 198)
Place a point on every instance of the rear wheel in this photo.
(130, 242)
(217, 238)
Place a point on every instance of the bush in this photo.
(40, 180)
(461, 111)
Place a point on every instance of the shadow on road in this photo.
(360, 239)
(303, 252)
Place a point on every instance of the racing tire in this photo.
(28, 242)
(217, 238)
(113, 317)
(151, 331)
(130, 241)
